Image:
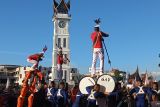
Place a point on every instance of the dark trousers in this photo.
(140, 104)
(92, 104)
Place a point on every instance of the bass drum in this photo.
(106, 82)
(84, 83)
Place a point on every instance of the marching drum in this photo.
(106, 82)
(84, 83)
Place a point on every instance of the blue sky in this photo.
(26, 26)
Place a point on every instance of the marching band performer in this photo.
(51, 90)
(61, 96)
(155, 88)
(139, 93)
(35, 58)
(59, 64)
(97, 38)
(61, 59)
(93, 95)
(114, 97)
(155, 97)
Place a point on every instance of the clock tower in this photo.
(61, 36)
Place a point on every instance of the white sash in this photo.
(49, 92)
(140, 90)
(155, 91)
(91, 96)
(59, 93)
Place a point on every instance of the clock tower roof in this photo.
(61, 7)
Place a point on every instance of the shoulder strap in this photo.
(96, 39)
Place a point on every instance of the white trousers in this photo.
(59, 71)
(97, 52)
(34, 62)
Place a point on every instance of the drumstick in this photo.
(91, 81)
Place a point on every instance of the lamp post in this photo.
(159, 63)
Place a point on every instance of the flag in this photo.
(45, 49)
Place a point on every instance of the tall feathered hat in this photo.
(44, 50)
(97, 21)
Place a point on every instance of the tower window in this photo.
(59, 42)
(64, 42)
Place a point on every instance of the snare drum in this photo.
(84, 83)
(106, 82)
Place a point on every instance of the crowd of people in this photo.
(8, 97)
(62, 95)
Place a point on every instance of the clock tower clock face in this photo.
(62, 24)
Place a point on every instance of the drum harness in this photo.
(49, 92)
(59, 93)
(140, 90)
(91, 96)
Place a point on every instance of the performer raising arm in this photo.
(35, 58)
(61, 59)
(59, 64)
(97, 38)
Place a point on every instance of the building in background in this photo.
(22, 71)
(61, 37)
(118, 74)
(16, 74)
(8, 72)
(74, 76)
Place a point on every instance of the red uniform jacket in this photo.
(35, 57)
(60, 59)
(97, 39)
